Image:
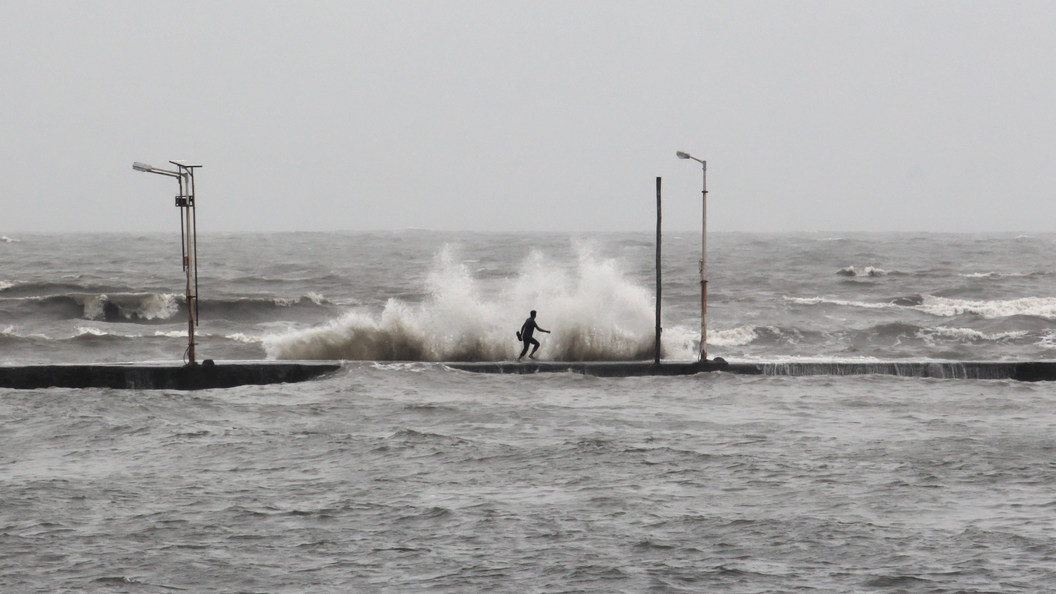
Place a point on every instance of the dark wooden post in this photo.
(656, 347)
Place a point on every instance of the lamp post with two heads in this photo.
(184, 174)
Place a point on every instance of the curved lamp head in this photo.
(152, 169)
(685, 155)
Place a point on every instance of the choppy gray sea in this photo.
(399, 474)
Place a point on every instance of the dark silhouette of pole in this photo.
(656, 347)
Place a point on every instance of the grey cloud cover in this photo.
(526, 116)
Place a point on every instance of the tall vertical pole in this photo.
(188, 238)
(189, 249)
(656, 346)
(189, 266)
(194, 223)
(704, 267)
(188, 223)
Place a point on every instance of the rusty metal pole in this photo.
(190, 250)
(704, 266)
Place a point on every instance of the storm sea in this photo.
(400, 474)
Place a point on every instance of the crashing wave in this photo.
(866, 272)
(594, 311)
(127, 306)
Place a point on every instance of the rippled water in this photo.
(410, 476)
(418, 478)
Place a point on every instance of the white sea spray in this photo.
(594, 311)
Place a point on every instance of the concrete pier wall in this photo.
(597, 368)
(1023, 370)
(990, 370)
(160, 376)
(226, 375)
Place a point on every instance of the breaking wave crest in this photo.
(593, 310)
(843, 302)
(158, 307)
(859, 272)
(740, 336)
(1001, 275)
(120, 306)
(774, 337)
(1040, 307)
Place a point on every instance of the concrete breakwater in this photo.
(1015, 370)
(147, 376)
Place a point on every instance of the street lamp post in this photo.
(703, 257)
(188, 238)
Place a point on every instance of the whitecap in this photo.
(967, 334)
(89, 331)
(864, 271)
(842, 302)
(740, 336)
(1042, 307)
(995, 275)
(171, 333)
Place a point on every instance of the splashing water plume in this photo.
(592, 309)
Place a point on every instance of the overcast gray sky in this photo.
(526, 116)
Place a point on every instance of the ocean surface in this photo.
(399, 474)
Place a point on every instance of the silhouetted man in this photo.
(525, 334)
